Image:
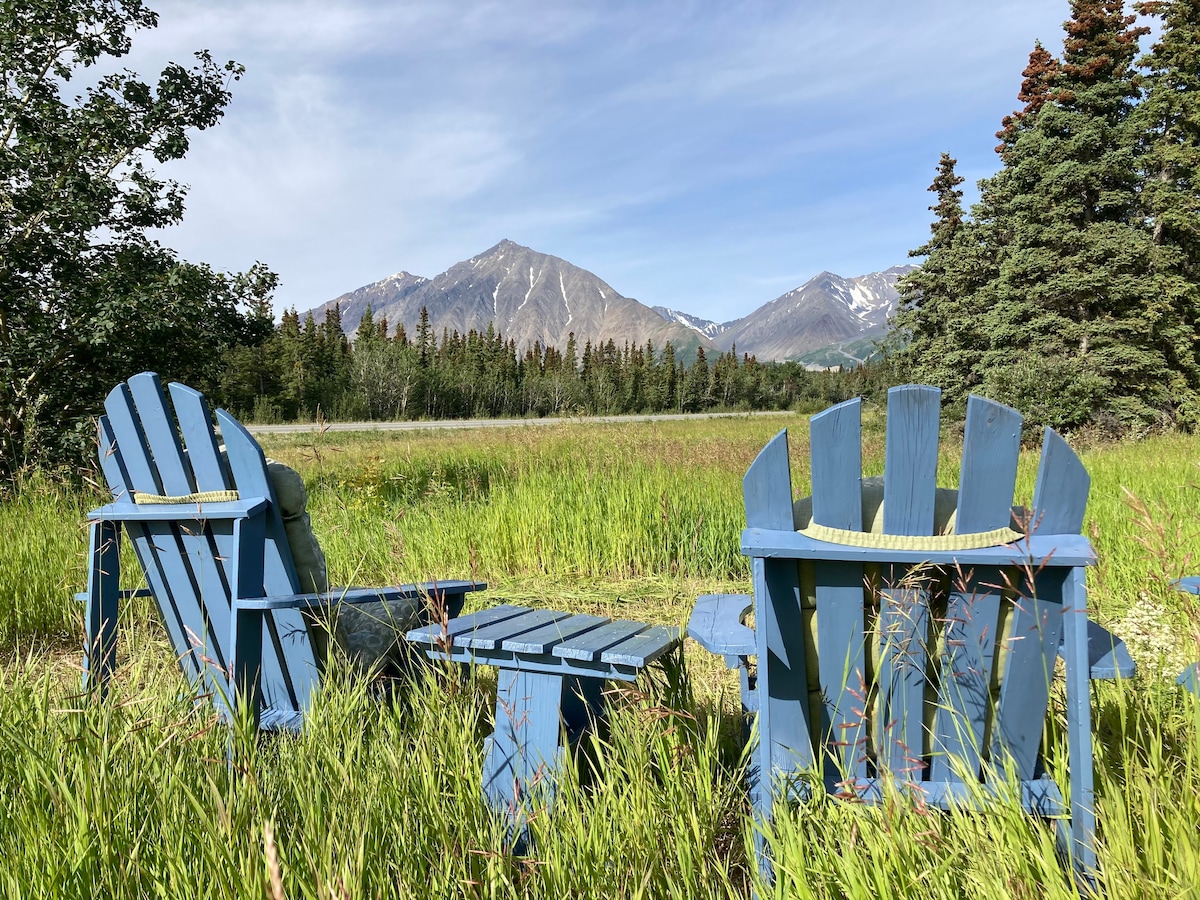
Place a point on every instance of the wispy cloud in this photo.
(689, 152)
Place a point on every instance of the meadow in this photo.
(133, 796)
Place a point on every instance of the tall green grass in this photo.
(133, 796)
(43, 542)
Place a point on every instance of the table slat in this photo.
(590, 645)
(540, 640)
(433, 634)
(642, 649)
(491, 636)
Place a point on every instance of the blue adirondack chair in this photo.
(215, 556)
(877, 653)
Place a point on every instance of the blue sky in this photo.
(707, 156)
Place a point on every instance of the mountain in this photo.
(387, 292)
(825, 310)
(703, 326)
(529, 296)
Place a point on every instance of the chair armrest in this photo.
(173, 512)
(1189, 585)
(716, 624)
(1108, 657)
(1189, 678)
(359, 595)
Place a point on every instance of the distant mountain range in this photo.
(530, 296)
(824, 311)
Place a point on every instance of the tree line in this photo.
(1072, 290)
(307, 370)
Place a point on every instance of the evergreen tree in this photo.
(1168, 119)
(1051, 298)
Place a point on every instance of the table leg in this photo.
(523, 756)
(582, 705)
(525, 752)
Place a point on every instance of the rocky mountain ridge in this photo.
(534, 297)
(527, 296)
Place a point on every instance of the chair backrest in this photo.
(153, 446)
(927, 672)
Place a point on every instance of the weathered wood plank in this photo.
(436, 634)
(643, 648)
(988, 477)
(964, 696)
(290, 676)
(910, 464)
(162, 439)
(767, 487)
(842, 664)
(1061, 491)
(541, 640)
(592, 644)
(1025, 688)
(491, 637)
(835, 441)
(196, 428)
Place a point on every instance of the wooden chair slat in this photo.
(642, 648)
(1025, 687)
(903, 655)
(964, 697)
(248, 468)
(910, 466)
(1061, 491)
(841, 661)
(909, 491)
(290, 676)
(492, 636)
(435, 634)
(162, 438)
(195, 425)
(991, 446)
(542, 640)
(589, 646)
(835, 442)
(767, 487)
(127, 430)
(783, 681)
(112, 464)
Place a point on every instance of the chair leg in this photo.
(100, 650)
(1082, 850)
(762, 805)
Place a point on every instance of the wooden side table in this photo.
(553, 666)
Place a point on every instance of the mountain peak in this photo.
(826, 309)
(528, 297)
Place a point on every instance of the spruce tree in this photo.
(1168, 120)
(1052, 297)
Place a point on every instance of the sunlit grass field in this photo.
(133, 797)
